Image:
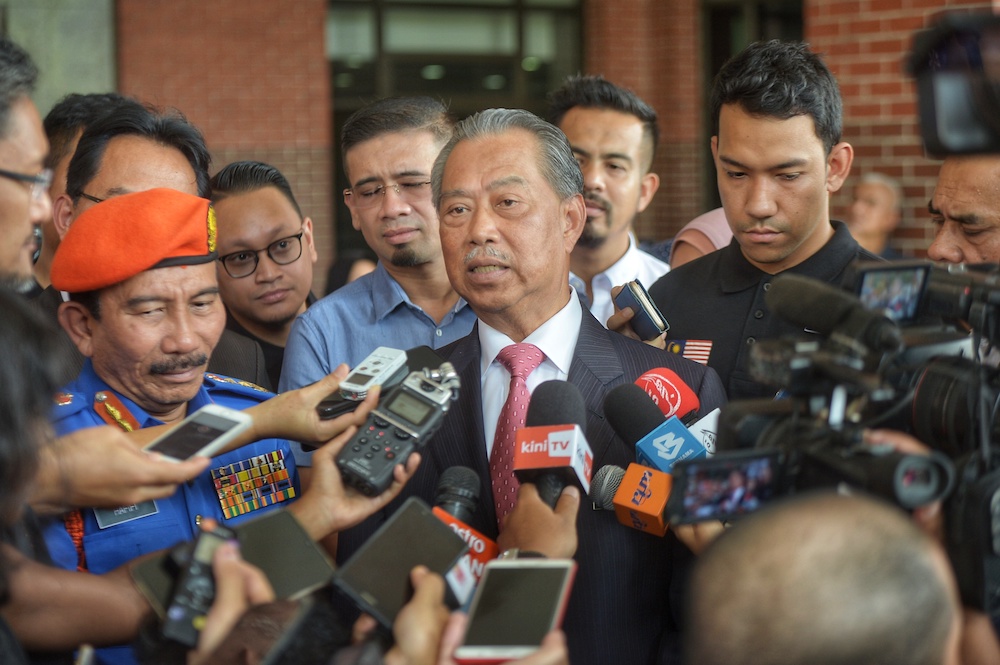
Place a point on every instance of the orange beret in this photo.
(126, 235)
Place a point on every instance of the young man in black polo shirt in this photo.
(776, 110)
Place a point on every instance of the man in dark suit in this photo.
(509, 197)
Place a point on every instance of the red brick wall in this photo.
(865, 43)
(252, 74)
(654, 48)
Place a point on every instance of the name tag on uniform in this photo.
(108, 517)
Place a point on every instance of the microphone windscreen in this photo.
(605, 484)
(631, 413)
(458, 492)
(809, 303)
(556, 403)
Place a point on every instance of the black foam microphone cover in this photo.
(819, 306)
(631, 413)
(556, 403)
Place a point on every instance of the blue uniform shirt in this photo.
(174, 518)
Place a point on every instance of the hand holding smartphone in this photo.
(518, 602)
(204, 432)
(648, 323)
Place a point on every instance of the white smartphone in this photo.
(380, 366)
(515, 606)
(202, 433)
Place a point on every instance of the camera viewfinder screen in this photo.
(895, 293)
(720, 488)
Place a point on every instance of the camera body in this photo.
(194, 590)
(928, 381)
(401, 424)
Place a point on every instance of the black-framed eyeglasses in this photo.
(371, 195)
(39, 183)
(244, 262)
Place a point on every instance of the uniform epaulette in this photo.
(236, 385)
(67, 404)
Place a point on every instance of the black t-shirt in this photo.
(274, 355)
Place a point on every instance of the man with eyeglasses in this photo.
(266, 256)
(24, 182)
(389, 149)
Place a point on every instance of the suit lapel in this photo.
(596, 368)
(460, 441)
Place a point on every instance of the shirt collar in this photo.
(738, 274)
(556, 337)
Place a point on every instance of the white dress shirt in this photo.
(634, 264)
(556, 338)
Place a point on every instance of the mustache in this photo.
(490, 251)
(590, 196)
(179, 364)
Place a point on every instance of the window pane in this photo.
(350, 34)
(454, 31)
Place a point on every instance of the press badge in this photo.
(108, 517)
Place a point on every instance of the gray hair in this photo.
(875, 178)
(556, 160)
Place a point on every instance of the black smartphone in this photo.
(377, 577)
(276, 543)
(648, 323)
(417, 358)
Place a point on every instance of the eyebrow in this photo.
(491, 187)
(790, 164)
(142, 300)
(605, 155)
(969, 219)
(410, 173)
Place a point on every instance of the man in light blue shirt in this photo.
(389, 149)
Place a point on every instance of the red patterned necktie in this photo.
(520, 360)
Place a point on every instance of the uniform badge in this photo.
(64, 399)
(697, 350)
(252, 484)
(236, 382)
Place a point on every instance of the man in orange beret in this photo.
(147, 320)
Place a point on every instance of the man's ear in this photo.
(307, 238)
(62, 214)
(647, 188)
(78, 322)
(838, 166)
(574, 218)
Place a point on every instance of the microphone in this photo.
(669, 392)
(638, 496)
(455, 503)
(659, 443)
(830, 311)
(551, 451)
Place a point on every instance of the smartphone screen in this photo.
(516, 605)
(723, 487)
(193, 435)
(377, 577)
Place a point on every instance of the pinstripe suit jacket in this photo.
(620, 608)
